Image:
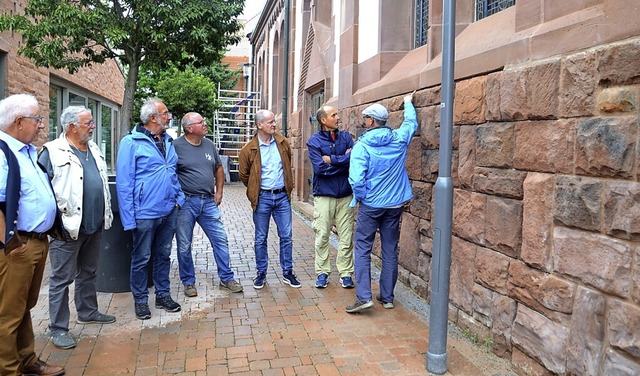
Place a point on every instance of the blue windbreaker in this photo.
(146, 181)
(377, 172)
(330, 179)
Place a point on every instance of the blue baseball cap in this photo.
(376, 111)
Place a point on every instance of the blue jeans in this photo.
(369, 220)
(152, 236)
(71, 261)
(204, 210)
(278, 206)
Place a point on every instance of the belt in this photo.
(203, 195)
(33, 235)
(273, 191)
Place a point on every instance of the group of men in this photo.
(164, 187)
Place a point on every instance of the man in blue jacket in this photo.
(329, 151)
(381, 185)
(149, 197)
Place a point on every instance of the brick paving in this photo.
(277, 330)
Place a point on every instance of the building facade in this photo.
(99, 88)
(546, 160)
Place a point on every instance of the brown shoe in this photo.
(40, 367)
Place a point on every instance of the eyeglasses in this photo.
(38, 119)
(367, 117)
(166, 113)
(89, 123)
(201, 122)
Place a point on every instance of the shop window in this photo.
(422, 22)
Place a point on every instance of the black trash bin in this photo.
(114, 263)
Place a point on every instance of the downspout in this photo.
(285, 69)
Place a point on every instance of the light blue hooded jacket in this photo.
(377, 172)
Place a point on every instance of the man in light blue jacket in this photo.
(149, 197)
(381, 185)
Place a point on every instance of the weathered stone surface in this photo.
(578, 203)
(541, 338)
(414, 160)
(429, 165)
(541, 291)
(424, 266)
(635, 295)
(577, 85)
(495, 145)
(618, 64)
(543, 85)
(537, 220)
(586, 335)
(482, 304)
(469, 101)
(503, 229)
(492, 270)
(427, 97)
(606, 146)
(526, 365)
(503, 315)
(499, 182)
(430, 127)
(426, 237)
(596, 260)
(616, 364)
(545, 146)
(493, 97)
(513, 95)
(468, 216)
(622, 210)
(463, 255)
(420, 286)
(420, 205)
(618, 99)
(409, 243)
(466, 156)
(624, 327)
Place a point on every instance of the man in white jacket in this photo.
(78, 173)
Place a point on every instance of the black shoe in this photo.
(291, 280)
(167, 304)
(259, 280)
(142, 311)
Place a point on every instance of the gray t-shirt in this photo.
(197, 166)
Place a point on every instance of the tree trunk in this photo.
(127, 102)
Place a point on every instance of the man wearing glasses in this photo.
(201, 177)
(78, 173)
(149, 197)
(380, 184)
(27, 215)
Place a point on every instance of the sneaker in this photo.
(100, 318)
(321, 281)
(259, 281)
(142, 311)
(167, 304)
(291, 280)
(190, 291)
(233, 286)
(63, 340)
(347, 282)
(359, 306)
(386, 305)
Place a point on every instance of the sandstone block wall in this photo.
(546, 225)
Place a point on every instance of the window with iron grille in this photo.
(485, 8)
(422, 22)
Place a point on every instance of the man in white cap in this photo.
(381, 185)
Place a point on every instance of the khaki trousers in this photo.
(327, 211)
(20, 279)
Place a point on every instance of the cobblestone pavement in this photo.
(277, 330)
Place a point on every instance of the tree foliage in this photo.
(70, 34)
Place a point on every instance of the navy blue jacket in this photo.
(330, 179)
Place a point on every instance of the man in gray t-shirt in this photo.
(201, 177)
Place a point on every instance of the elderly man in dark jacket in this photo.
(329, 151)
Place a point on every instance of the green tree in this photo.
(70, 34)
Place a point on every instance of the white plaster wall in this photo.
(368, 26)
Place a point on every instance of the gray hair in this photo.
(261, 114)
(150, 107)
(14, 106)
(70, 115)
(186, 119)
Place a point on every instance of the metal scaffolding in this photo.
(234, 123)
